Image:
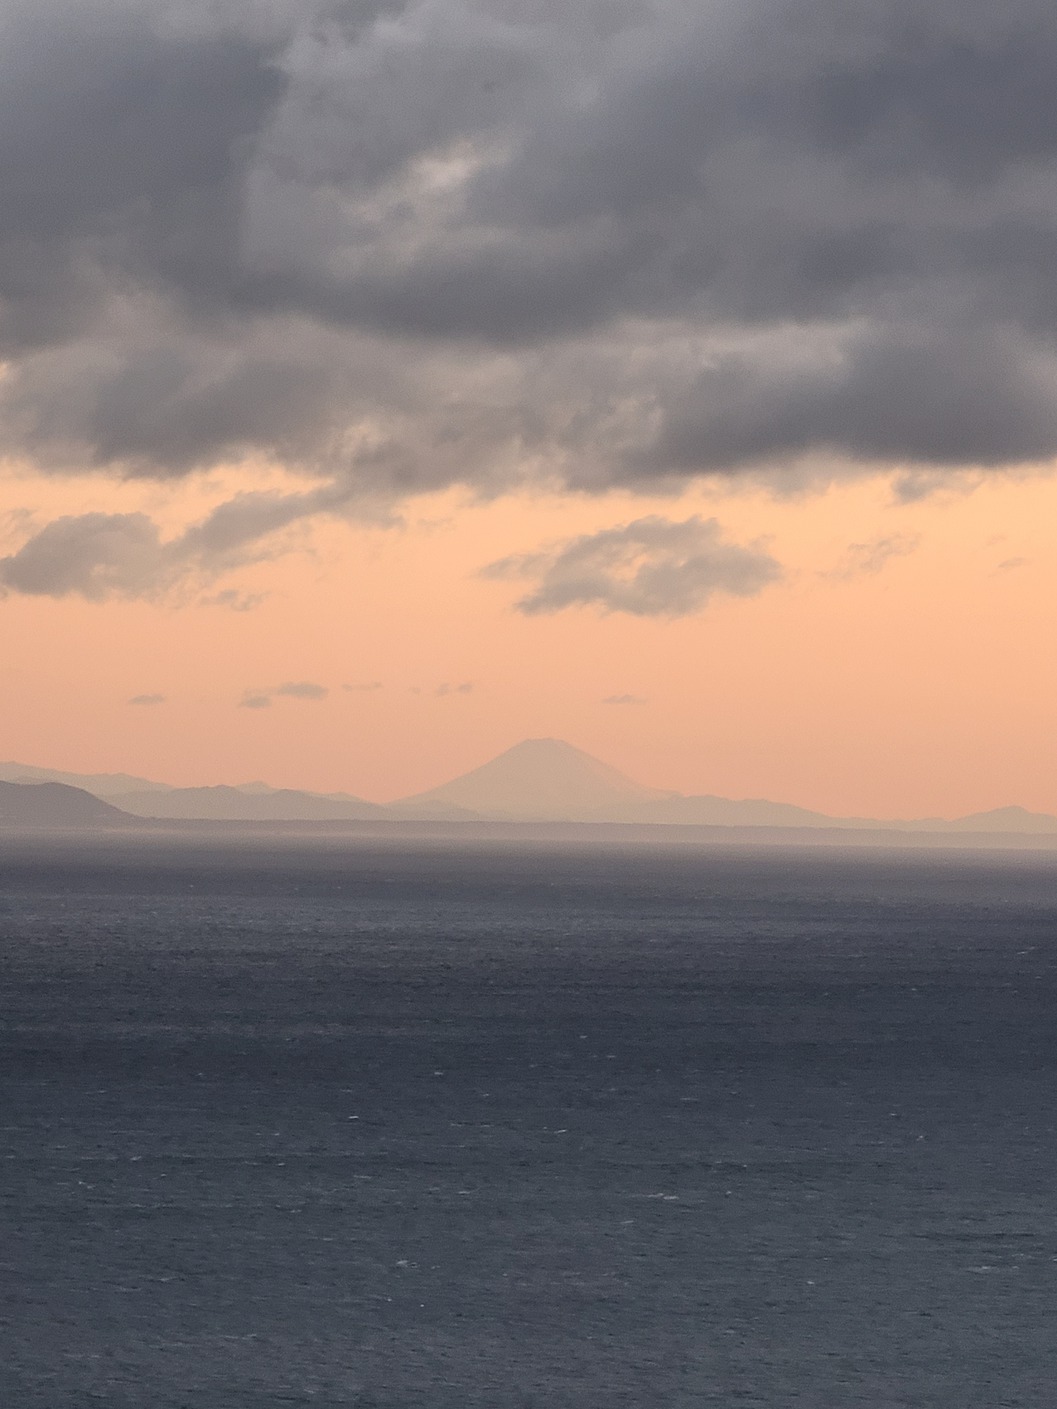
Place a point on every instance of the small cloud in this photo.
(103, 556)
(913, 486)
(651, 567)
(1009, 564)
(365, 686)
(302, 690)
(291, 690)
(624, 700)
(147, 700)
(864, 559)
(234, 600)
(91, 555)
(465, 688)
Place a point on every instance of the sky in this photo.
(382, 383)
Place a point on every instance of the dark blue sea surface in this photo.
(337, 1123)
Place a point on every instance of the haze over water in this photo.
(430, 1125)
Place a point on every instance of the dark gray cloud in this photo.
(402, 244)
(124, 142)
(652, 567)
(624, 700)
(147, 700)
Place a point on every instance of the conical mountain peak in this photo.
(537, 779)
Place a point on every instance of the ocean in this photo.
(334, 1122)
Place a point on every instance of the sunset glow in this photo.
(898, 667)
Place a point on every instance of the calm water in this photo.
(347, 1126)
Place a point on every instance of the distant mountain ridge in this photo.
(247, 802)
(102, 785)
(537, 780)
(550, 780)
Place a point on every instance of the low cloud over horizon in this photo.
(398, 245)
(292, 689)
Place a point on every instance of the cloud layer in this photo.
(402, 244)
(652, 567)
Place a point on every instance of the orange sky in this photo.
(925, 687)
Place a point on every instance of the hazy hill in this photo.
(710, 811)
(1000, 819)
(54, 805)
(247, 802)
(224, 804)
(536, 780)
